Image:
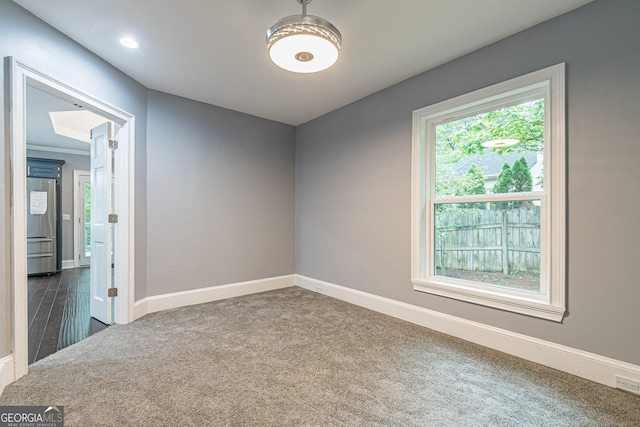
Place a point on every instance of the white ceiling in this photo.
(214, 51)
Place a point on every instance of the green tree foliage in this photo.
(524, 122)
(460, 138)
(504, 184)
(521, 176)
(522, 180)
(476, 181)
(474, 184)
(505, 180)
(514, 179)
(87, 213)
(463, 185)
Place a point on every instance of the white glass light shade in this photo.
(303, 44)
(495, 143)
(129, 42)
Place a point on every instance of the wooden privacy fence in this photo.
(488, 240)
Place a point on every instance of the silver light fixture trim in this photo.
(303, 43)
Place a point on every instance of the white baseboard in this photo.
(213, 293)
(68, 263)
(573, 361)
(6, 372)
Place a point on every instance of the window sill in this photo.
(530, 307)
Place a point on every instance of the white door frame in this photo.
(20, 76)
(78, 217)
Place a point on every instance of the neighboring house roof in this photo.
(491, 163)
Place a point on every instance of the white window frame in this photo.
(549, 303)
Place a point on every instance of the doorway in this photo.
(22, 76)
(58, 135)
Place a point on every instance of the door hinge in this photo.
(113, 218)
(113, 144)
(112, 292)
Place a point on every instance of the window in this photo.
(488, 196)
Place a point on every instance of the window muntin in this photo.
(458, 250)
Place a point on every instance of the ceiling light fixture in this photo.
(303, 43)
(129, 42)
(495, 143)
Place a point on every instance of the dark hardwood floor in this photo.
(59, 312)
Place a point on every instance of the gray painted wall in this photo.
(353, 179)
(72, 162)
(220, 196)
(30, 40)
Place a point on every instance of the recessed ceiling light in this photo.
(499, 143)
(130, 43)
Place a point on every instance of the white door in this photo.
(101, 165)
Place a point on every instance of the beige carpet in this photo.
(295, 358)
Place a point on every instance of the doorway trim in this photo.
(20, 76)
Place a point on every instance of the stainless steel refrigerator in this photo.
(43, 220)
